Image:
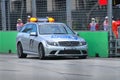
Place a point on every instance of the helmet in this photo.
(19, 20)
(106, 17)
(93, 19)
(28, 16)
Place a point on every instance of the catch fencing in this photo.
(76, 13)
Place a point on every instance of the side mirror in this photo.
(33, 34)
(77, 34)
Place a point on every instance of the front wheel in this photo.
(82, 57)
(41, 52)
(20, 51)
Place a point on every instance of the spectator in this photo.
(19, 24)
(118, 22)
(93, 26)
(115, 26)
(105, 24)
(28, 18)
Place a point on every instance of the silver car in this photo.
(49, 39)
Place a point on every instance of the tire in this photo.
(41, 52)
(20, 51)
(82, 57)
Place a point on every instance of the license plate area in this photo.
(70, 51)
(70, 48)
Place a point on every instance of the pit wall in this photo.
(97, 42)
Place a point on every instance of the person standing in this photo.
(118, 22)
(93, 26)
(19, 24)
(28, 18)
(105, 24)
(115, 26)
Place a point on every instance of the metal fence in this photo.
(81, 12)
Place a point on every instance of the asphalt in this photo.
(31, 68)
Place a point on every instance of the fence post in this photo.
(8, 14)
(68, 12)
(110, 23)
(3, 12)
(34, 8)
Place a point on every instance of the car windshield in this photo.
(54, 29)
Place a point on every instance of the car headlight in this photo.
(52, 43)
(82, 43)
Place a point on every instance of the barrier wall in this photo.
(8, 41)
(97, 42)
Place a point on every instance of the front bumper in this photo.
(66, 51)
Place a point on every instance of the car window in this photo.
(69, 30)
(34, 28)
(21, 30)
(54, 29)
(27, 28)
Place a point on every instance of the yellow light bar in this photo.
(50, 19)
(33, 19)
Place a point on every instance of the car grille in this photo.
(69, 43)
(69, 52)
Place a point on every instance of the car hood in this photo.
(63, 37)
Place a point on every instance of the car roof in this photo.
(49, 23)
(41, 23)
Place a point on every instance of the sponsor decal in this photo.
(65, 36)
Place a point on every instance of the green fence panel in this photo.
(97, 43)
(8, 41)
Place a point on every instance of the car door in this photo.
(26, 36)
(33, 41)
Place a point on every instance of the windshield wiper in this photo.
(59, 33)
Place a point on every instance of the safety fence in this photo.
(97, 42)
(81, 12)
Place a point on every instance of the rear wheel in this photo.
(20, 51)
(41, 52)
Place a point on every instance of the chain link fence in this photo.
(81, 12)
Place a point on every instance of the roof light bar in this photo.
(48, 19)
